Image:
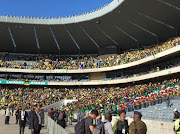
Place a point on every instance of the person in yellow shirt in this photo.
(177, 126)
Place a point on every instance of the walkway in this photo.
(70, 128)
(13, 128)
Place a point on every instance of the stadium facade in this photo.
(133, 53)
(113, 28)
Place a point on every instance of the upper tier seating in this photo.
(51, 62)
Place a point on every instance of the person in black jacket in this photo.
(61, 119)
(17, 114)
(23, 115)
(122, 124)
(36, 122)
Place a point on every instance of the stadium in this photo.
(123, 56)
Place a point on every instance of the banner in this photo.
(13, 82)
(38, 83)
(24, 83)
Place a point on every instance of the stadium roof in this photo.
(123, 23)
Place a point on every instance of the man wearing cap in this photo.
(137, 126)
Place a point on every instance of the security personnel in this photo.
(137, 126)
(177, 126)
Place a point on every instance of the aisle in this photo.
(13, 128)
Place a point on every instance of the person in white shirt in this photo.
(23, 115)
(7, 114)
(107, 124)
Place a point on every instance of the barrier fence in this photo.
(53, 127)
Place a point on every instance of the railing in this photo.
(53, 127)
(165, 72)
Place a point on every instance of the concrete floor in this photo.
(70, 128)
(13, 128)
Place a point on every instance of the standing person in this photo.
(167, 101)
(17, 114)
(70, 117)
(29, 116)
(177, 126)
(23, 115)
(107, 124)
(7, 114)
(78, 116)
(81, 115)
(61, 119)
(89, 126)
(121, 125)
(36, 122)
(12, 110)
(137, 126)
(176, 114)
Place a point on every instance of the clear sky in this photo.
(48, 8)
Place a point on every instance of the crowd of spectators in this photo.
(128, 98)
(52, 62)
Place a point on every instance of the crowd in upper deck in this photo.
(51, 62)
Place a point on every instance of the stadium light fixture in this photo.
(98, 22)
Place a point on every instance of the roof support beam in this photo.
(128, 35)
(72, 38)
(57, 44)
(144, 30)
(166, 3)
(158, 21)
(37, 42)
(88, 35)
(14, 44)
(107, 36)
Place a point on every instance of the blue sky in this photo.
(48, 8)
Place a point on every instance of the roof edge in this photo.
(63, 20)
